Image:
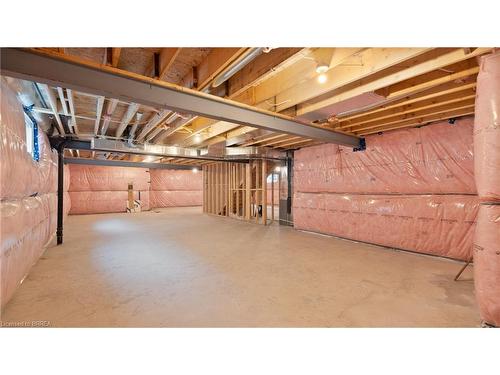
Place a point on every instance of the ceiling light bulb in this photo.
(197, 138)
(322, 78)
(195, 170)
(321, 68)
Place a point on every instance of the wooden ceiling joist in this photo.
(406, 109)
(438, 116)
(99, 105)
(53, 106)
(71, 104)
(280, 141)
(295, 142)
(263, 139)
(454, 56)
(167, 58)
(373, 60)
(440, 108)
(441, 91)
(215, 62)
(264, 66)
(115, 57)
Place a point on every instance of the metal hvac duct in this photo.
(235, 67)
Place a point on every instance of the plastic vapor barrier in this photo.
(487, 263)
(21, 176)
(97, 178)
(97, 202)
(487, 171)
(169, 179)
(176, 198)
(411, 189)
(104, 189)
(433, 224)
(28, 207)
(434, 159)
(487, 129)
(176, 188)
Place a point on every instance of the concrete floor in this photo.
(180, 268)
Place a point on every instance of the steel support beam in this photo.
(123, 147)
(122, 163)
(61, 71)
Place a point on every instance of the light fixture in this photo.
(322, 78)
(322, 68)
(197, 138)
(195, 170)
(277, 169)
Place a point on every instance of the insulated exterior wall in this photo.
(487, 173)
(21, 176)
(28, 206)
(100, 202)
(104, 189)
(411, 189)
(176, 188)
(435, 159)
(433, 224)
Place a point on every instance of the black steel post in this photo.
(60, 192)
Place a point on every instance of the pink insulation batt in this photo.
(28, 206)
(433, 224)
(487, 170)
(99, 202)
(105, 178)
(104, 189)
(176, 188)
(21, 176)
(179, 198)
(487, 263)
(433, 159)
(169, 179)
(487, 129)
(411, 189)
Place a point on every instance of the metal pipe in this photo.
(237, 66)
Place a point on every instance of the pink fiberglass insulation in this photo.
(28, 224)
(434, 224)
(434, 159)
(487, 129)
(487, 263)
(28, 205)
(176, 198)
(105, 178)
(21, 176)
(168, 179)
(487, 173)
(96, 202)
(176, 188)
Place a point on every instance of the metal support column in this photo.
(60, 192)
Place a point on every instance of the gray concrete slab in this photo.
(180, 268)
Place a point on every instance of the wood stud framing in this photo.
(237, 190)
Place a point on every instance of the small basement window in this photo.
(31, 136)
